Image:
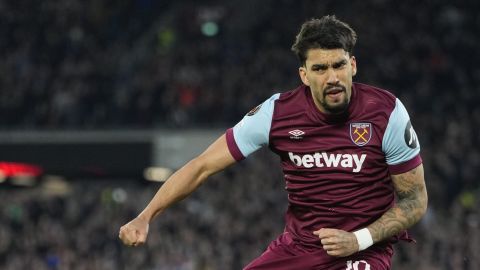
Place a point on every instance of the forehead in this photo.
(326, 56)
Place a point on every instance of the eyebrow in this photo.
(325, 66)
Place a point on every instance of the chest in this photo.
(354, 145)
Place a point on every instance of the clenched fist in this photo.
(134, 233)
(337, 243)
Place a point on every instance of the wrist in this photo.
(145, 216)
(364, 238)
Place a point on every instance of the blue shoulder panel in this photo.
(253, 131)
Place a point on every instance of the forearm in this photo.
(410, 207)
(183, 182)
(177, 187)
(400, 217)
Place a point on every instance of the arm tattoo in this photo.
(410, 207)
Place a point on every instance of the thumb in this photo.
(142, 235)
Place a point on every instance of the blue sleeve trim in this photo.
(400, 142)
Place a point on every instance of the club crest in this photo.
(254, 110)
(360, 133)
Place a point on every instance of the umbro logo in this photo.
(296, 134)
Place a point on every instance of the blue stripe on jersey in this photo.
(253, 131)
(394, 143)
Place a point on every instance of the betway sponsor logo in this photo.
(329, 160)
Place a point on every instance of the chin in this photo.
(337, 108)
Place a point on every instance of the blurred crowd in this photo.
(224, 225)
(72, 64)
(228, 222)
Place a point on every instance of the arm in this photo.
(410, 207)
(183, 182)
(247, 136)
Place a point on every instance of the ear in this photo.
(353, 62)
(302, 71)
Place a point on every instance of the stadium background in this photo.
(94, 92)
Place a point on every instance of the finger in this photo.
(334, 252)
(330, 247)
(128, 236)
(319, 232)
(326, 241)
(326, 232)
(141, 237)
(126, 240)
(122, 235)
(132, 236)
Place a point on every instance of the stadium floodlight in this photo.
(26, 180)
(56, 185)
(157, 174)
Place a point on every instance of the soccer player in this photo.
(346, 148)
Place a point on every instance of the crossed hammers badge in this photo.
(360, 133)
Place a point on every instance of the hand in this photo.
(135, 232)
(337, 243)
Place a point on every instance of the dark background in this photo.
(72, 65)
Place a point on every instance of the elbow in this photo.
(423, 204)
(200, 169)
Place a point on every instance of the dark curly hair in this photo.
(325, 33)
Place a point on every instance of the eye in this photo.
(339, 64)
(319, 68)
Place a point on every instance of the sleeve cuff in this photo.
(232, 145)
(405, 166)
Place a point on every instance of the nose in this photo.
(332, 77)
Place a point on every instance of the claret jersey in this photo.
(337, 168)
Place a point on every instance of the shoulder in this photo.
(374, 98)
(291, 102)
(252, 132)
(293, 96)
(375, 93)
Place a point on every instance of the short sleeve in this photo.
(400, 142)
(252, 132)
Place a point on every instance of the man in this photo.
(345, 149)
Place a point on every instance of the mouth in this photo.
(334, 92)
